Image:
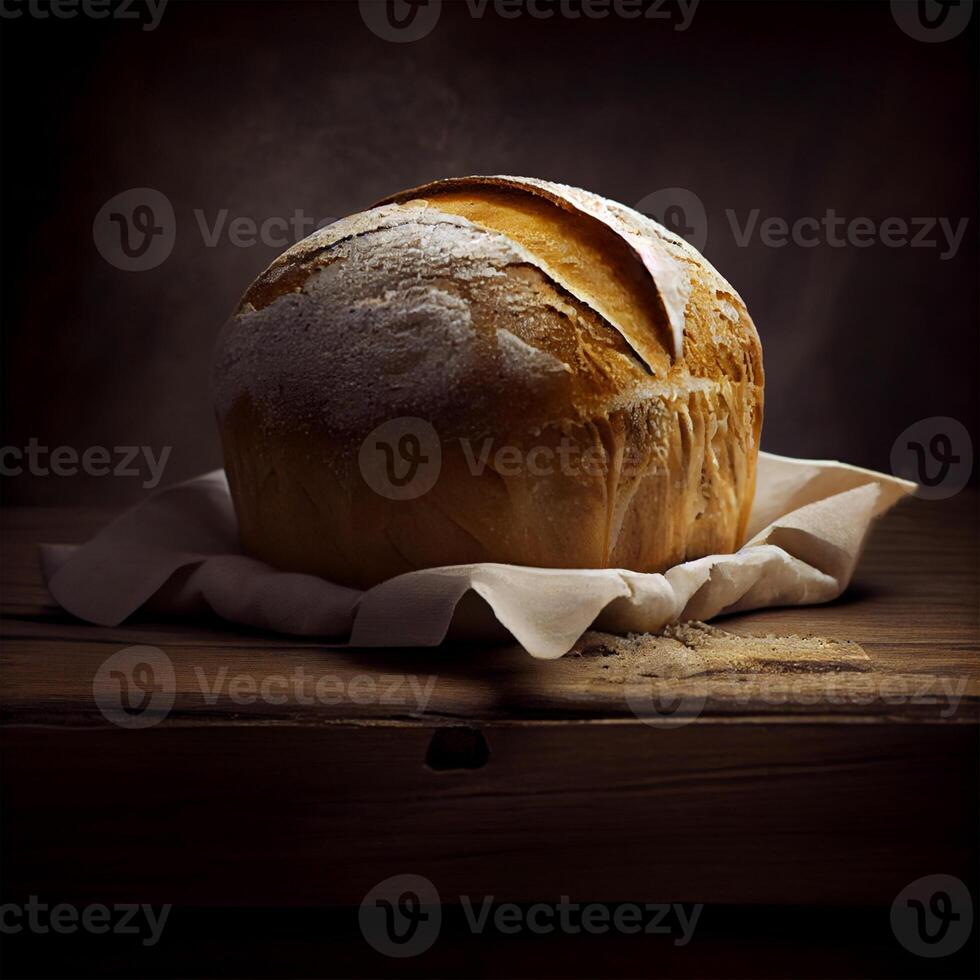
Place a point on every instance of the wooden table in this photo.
(491, 773)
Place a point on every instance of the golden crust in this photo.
(474, 304)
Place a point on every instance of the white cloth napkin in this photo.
(177, 553)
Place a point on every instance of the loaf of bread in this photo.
(489, 369)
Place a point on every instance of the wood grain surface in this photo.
(776, 780)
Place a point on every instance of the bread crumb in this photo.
(696, 649)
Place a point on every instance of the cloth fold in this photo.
(177, 553)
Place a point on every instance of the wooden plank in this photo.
(52, 683)
(598, 811)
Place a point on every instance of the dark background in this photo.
(262, 108)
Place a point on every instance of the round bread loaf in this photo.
(489, 369)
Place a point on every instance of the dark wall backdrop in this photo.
(264, 108)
